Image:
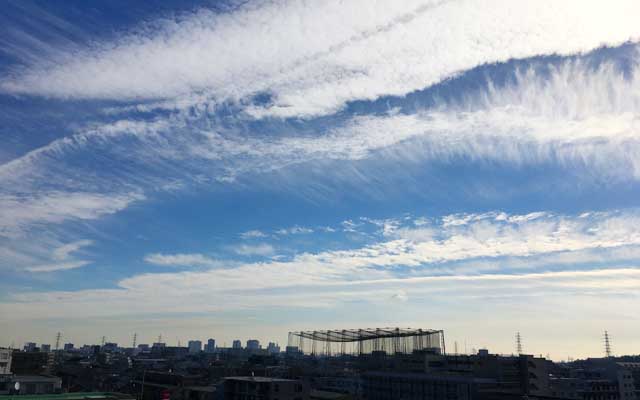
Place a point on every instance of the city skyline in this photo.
(233, 169)
(250, 343)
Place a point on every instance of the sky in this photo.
(241, 169)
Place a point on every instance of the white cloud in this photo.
(61, 258)
(63, 266)
(198, 292)
(489, 235)
(253, 234)
(574, 114)
(315, 57)
(64, 252)
(309, 279)
(261, 249)
(294, 230)
(571, 115)
(20, 212)
(182, 260)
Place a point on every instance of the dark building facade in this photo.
(262, 388)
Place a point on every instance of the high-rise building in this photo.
(273, 348)
(210, 347)
(237, 344)
(253, 344)
(30, 346)
(68, 346)
(45, 348)
(195, 346)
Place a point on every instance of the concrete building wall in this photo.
(5, 361)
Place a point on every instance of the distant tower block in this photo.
(607, 344)
(518, 343)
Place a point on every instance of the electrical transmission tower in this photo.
(103, 340)
(135, 339)
(58, 336)
(518, 343)
(607, 344)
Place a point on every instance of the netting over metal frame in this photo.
(365, 341)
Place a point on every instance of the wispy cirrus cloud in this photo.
(313, 70)
(572, 114)
(18, 213)
(62, 258)
(182, 260)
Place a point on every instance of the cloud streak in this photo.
(21, 212)
(408, 262)
(62, 258)
(181, 260)
(331, 57)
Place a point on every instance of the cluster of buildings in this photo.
(389, 367)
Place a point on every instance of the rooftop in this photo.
(72, 396)
(258, 379)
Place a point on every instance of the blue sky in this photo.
(242, 169)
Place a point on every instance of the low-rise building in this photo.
(5, 361)
(34, 384)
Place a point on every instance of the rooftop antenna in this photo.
(519, 343)
(135, 339)
(58, 336)
(607, 344)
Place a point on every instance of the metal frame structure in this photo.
(366, 341)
